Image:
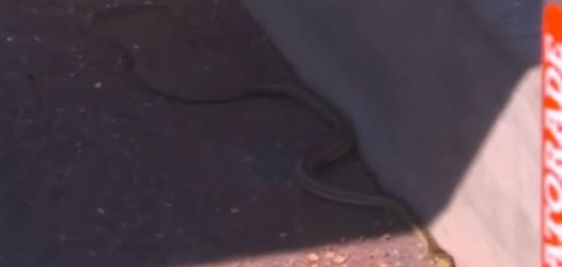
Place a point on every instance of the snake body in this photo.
(306, 166)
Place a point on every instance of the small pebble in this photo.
(101, 210)
(10, 39)
(234, 210)
(339, 259)
(313, 257)
(283, 235)
(136, 47)
(98, 85)
(329, 255)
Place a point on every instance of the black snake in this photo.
(306, 166)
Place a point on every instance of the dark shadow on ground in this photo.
(423, 82)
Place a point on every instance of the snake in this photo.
(305, 167)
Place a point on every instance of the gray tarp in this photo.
(444, 104)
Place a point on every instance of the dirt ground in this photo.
(97, 171)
